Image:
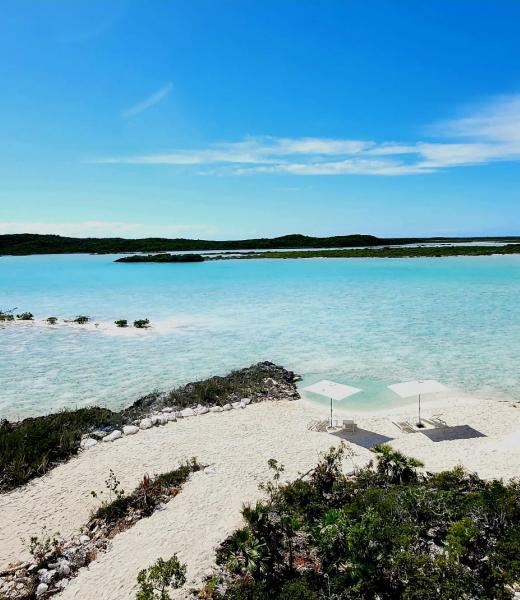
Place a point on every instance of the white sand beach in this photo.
(237, 445)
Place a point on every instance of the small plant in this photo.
(40, 547)
(25, 316)
(81, 319)
(142, 323)
(121, 323)
(155, 581)
(52, 320)
(6, 317)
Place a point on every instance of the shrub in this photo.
(52, 320)
(155, 581)
(29, 448)
(39, 547)
(178, 476)
(81, 319)
(121, 323)
(25, 316)
(387, 532)
(141, 323)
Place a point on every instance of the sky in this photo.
(241, 118)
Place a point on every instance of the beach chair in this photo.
(405, 426)
(436, 421)
(349, 425)
(316, 425)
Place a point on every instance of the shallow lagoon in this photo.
(367, 322)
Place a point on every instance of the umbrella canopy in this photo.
(414, 388)
(332, 390)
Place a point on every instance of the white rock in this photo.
(202, 410)
(46, 576)
(178, 414)
(170, 417)
(238, 405)
(41, 589)
(63, 569)
(188, 412)
(145, 424)
(216, 409)
(111, 437)
(84, 539)
(87, 443)
(130, 429)
(246, 401)
(227, 407)
(167, 409)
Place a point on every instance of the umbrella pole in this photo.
(419, 410)
(331, 412)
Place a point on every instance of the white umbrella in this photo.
(332, 390)
(416, 388)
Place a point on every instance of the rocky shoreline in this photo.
(32, 447)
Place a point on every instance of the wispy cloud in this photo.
(105, 228)
(485, 134)
(147, 103)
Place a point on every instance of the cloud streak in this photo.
(486, 134)
(147, 103)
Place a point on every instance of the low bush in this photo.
(30, 447)
(121, 323)
(390, 531)
(25, 316)
(162, 576)
(81, 319)
(52, 320)
(141, 323)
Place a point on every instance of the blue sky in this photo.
(236, 118)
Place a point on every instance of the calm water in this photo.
(367, 322)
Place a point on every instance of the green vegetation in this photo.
(52, 320)
(81, 319)
(387, 252)
(155, 581)
(121, 323)
(28, 243)
(41, 546)
(162, 258)
(386, 532)
(145, 498)
(31, 447)
(25, 316)
(142, 323)
(6, 315)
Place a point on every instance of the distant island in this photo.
(387, 252)
(162, 258)
(29, 243)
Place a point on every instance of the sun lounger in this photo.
(349, 425)
(405, 426)
(316, 425)
(436, 421)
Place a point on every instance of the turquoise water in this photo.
(366, 322)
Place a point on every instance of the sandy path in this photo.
(238, 444)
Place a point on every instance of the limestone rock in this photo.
(188, 412)
(130, 429)
(246, 401)
(145, 424)
(216, 409)
(41, 589)
(111, 437)
(227, 407)
(87, 443)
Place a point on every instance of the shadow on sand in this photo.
(458, 432)
(362, 437)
